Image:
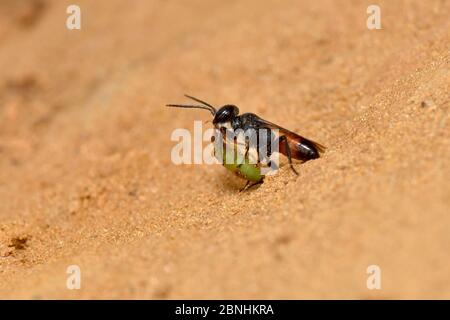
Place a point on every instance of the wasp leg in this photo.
(247, 186)
(288, 152)
(247, 149)
(246, 153)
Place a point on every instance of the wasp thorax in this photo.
(225, 114)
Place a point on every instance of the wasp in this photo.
(290, 144)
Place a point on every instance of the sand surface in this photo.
(85, 171)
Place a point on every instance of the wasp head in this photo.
(225, 114)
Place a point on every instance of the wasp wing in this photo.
(300, 147)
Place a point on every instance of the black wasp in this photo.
(290, 144)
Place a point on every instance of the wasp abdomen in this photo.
(300, 148)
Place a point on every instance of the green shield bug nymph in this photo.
(235, 161)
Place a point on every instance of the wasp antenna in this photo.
(202, 102)
(191, 107)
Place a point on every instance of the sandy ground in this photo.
(86, 177)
